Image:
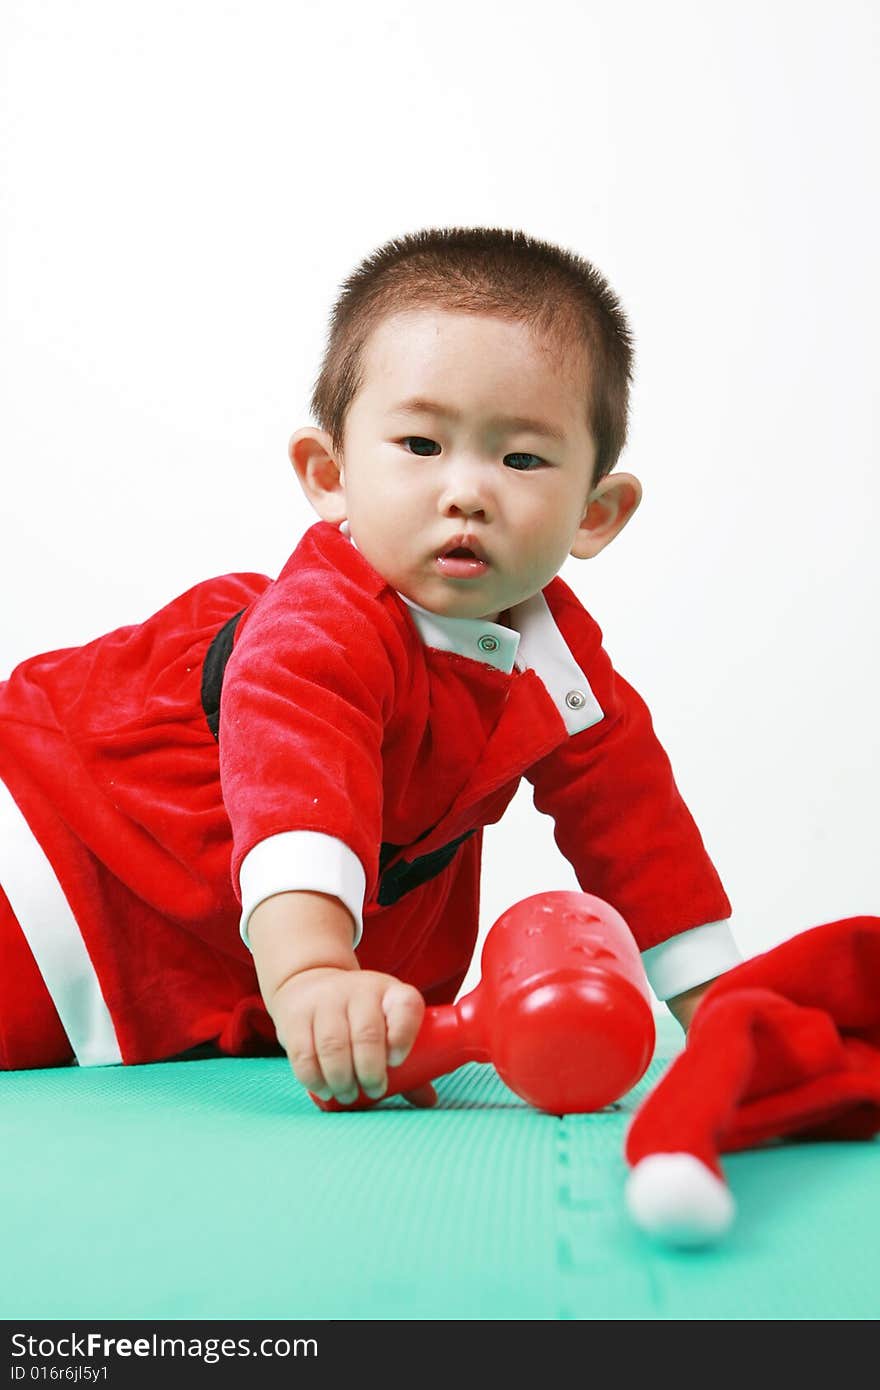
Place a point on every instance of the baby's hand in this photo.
(344, 1027)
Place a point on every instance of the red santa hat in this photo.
(786, 1043)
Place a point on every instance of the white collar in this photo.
(492, 643)
(533, 635)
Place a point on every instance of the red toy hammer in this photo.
(562, 1010)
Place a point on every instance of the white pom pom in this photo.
(676, 1198)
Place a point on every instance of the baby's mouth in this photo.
(462, 559)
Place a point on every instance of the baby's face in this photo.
(417, 480)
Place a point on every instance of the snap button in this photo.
(575, 699)
(487, 643)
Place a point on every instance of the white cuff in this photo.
(307, 861)
(691, 958)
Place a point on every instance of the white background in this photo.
(186, 184)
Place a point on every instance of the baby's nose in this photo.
(465, 508)
(465, 494)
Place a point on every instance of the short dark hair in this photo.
(485, 270)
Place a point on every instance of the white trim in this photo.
(691, 958)
(677, 1199)
(52, 932)
(302, 861)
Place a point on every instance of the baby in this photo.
(256, 817)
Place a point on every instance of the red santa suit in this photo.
(317, 732)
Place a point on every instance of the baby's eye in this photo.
(520, 467)
(419, 439)
(523, 467)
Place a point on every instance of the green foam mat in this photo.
(216, 1189)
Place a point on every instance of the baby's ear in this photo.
(319, 472)
(610, 506)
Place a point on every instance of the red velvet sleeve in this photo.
(620, 820)
(306, 694)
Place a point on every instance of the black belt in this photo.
(405, 875)
(394, 882)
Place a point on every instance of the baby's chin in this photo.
(446, 607)
(446, 603)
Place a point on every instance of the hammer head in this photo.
(567, 1003)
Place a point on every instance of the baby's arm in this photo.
(621, 822)
(338, 1024)
(308, 691)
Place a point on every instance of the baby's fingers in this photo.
(333, 1046)
(298, 1041)
(404, 1009)
(367, 1028)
